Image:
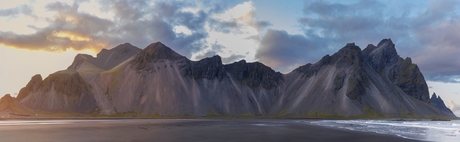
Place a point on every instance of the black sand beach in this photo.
(140, 130)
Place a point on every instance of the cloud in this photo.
(363, 22)
(214, 50)
(232, 58)
(68, 29)
(11, 12)
(236, 18)
(327, 27)
(217, 48)
(454, 107)
(428, 35)
(283, 51)
(437, 42)
(446, 78)
(134, 21)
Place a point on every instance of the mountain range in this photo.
(375, 81)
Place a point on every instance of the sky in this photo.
(43, 36)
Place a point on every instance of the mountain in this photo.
(106, 59)
(437, 102)
(375, 81)
(10, 105)
(61, 91)
(354, 82)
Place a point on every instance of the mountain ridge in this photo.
(158, 80)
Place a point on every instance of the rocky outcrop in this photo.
(437, 102)
(209, 68)
(152, 53)
(105, 60)
(62, 91)
(157, 80)
(34, 83)
(382, 56)
(254, 74)
(385, 60)
(11, 105)
(408, 77)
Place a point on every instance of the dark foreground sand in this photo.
(140, 130)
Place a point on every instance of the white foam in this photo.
(419, 130)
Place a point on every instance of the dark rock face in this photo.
(409, 78)
(34, 83)
(349, 56)
(66, 87)
(385, 60)
(154, 52)
(254, 74)
(209, 68)
(437, 102)
(383, 55)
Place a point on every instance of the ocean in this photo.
(439, 131)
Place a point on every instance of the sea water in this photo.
(439, 131)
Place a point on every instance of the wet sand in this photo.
(140, 130)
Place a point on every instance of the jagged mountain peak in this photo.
(369, 49)
(124, 48)
(33, 84)
(383, 55)
(349, 55)
(438, 103)
(434, 96)
(387, 47)
(154, 52)
(6, 97)
(255, 74)
(385, 42)
(158, 50)
(209, 68)
(106, 59)
(9, 104)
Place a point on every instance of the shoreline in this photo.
(189, 130)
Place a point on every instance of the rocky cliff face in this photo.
(157, 80)
(34, 83)
(437, 102)
(375, 81)
(385, 60)
(60, 91)
(105, 60)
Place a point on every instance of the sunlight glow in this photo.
(71, 36)
(19, 65)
